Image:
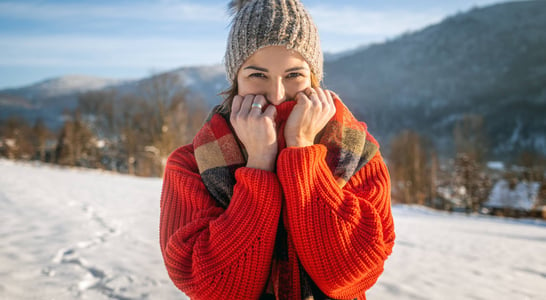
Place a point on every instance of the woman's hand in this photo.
(255, 128)
(314, 108)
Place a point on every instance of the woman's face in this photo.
(275, 72)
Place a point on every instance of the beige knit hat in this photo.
(261, 23)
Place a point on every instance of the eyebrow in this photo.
(266, 70)
(257, 68)
(295, 69)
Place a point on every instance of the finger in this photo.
(322, 97)
(303, 99)
(261, 99)
(245, 105)
(313, 96)
(309, 92)
(330, 100)
(258, 100)
(236, 105)
(334, 95)
(270, 112)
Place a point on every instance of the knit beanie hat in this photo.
(261, 23)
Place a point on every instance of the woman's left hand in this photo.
(314, 108)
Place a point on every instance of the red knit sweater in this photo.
(342, 236)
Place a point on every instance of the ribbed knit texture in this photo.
(261, 23)
(211, 252)
(340, 235)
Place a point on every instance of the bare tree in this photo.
(434, 182)
(534, 164)
(15, 134)
(471, 147)
(97, 107)
(476, 182)
(76, 143)
(470, 138)
(39, 137)
(410, 168)
(168, 118)
(133, 130)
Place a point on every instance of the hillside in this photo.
(49, 98)
(489, 61)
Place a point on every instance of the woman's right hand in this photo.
(255, 128)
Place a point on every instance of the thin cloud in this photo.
(387, 22)
(163, 11)
(351, 21)
(107, 51)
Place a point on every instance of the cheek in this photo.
(292, 88)
(248, 87)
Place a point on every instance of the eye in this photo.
(294, 75)
(257, 75)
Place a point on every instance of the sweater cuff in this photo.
(292, 158)
(251, 175)
(259, 189)
(304, 174)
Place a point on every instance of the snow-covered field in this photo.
(84, 234)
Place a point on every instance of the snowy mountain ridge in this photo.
(62, 86)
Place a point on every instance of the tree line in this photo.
(130, 133)
(134, 133)
(461, 181)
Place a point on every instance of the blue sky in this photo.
(132, 39)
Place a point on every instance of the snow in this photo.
(66, 85)
(79, 234)
(72, 83)
(522, 197)
(83, 234)
(496, 165)
(439, 255)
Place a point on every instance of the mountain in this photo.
(62, 86)
(203, 82)
(206, 81)
(489, 61)
(49, 98)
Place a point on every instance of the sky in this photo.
(134, 39)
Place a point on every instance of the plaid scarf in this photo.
(219, 153)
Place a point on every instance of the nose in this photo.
(277, 93)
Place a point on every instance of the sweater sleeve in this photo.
(342, 236)
(211, 252)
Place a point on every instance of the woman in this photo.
(282, 194)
